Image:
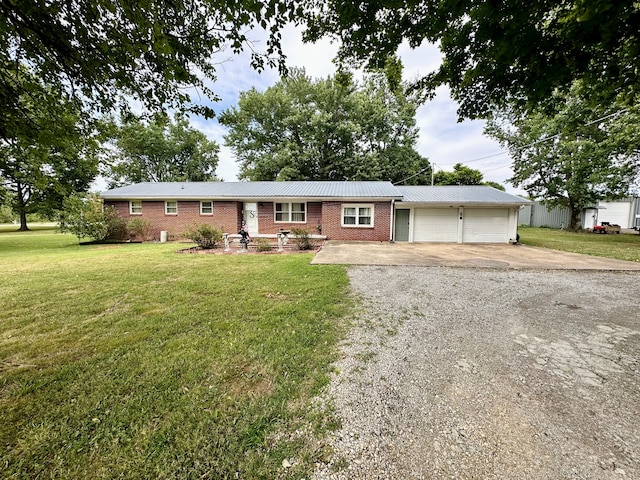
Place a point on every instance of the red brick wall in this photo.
(333, 229)
(267, 224)
(226, 215)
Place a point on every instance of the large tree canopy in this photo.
(105, 52)
(42, 166)
(495, 53)
(575, 156)
(332, 129)
(161, 150)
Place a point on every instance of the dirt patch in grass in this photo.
(249, 380)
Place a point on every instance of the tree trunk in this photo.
(574, 217)
(22, 210)
(23, 221)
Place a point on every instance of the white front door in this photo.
(250, 216)
(589, 220)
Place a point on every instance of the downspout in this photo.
(392, 220)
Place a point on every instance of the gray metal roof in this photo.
(459, 195)
(253, 190)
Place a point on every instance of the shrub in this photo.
(85, 217)
(203, 234)
(6, 214)
(302, 239)
(116, 225)
(40, 217)
(263, 245)
(139, 228)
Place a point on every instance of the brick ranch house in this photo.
(366, 211)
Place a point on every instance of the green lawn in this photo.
(130, 361)
(622, 246)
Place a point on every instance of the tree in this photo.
(162, 150)
(575, 156)
(495, 53)
(332, 129)
(103, 53)
(461, 175)
(42, 166)
(100, 55)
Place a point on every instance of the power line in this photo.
(494, 168)
(542, 140)
(414, 175)
(478, 159)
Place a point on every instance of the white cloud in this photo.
(316, 58)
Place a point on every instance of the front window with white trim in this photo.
(291, 212)
(171, 208)
(206, 207)
(135, 207)
(357, 215)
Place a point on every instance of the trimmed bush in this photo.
(203, 234)
(139, 228)
(116, 225)
(302, 239)
(263, 244)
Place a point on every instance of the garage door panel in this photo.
(486, 225)
(479, 225)
(435, 225)
(615, 212)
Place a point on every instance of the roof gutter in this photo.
(456, 204)
(240, 198)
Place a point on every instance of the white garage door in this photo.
(614, 212)
(435, 225)
(485, 225)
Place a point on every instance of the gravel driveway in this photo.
(477, 373)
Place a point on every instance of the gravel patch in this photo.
(481, 374)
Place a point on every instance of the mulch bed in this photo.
(251, 250)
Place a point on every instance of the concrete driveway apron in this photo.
(462, 255)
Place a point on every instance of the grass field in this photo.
(129, 361)
(622, 246)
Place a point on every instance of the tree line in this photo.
(299, 129)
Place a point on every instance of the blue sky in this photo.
(442, 139)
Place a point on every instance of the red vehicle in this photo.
(606, 227)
